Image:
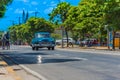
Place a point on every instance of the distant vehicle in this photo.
(70, 40)
(41, 40)
(89, 42)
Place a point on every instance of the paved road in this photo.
(66, 64)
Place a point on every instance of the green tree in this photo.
(1, 32)
(112, 11)
(13, 35)
(39, 24)
(72, 20)
(25, 32)
(3, 4)
(90, 18)
(59, 15)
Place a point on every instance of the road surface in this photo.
(66, 64)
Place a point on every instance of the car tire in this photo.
(53, 48)
(36, 48)
(33, 48)
(48, 48)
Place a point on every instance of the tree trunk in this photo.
(113, 40)
(66, 32)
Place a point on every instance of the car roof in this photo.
(42, 32)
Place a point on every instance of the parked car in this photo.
(89, 42)
(70, 40)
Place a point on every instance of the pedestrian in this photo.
(7, 35)
(3, 39)
(79, 42)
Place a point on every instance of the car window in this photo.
(42, 35)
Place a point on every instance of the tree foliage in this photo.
(89, 17)
(59, 14)
(25, 32)
(112, 16)
(3, 4)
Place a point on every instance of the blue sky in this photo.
(44, 7)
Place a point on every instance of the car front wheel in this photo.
(53, 48)
(48, 48)
(33, 48)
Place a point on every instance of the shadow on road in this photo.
(34, 58)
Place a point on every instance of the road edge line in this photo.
(33, 72)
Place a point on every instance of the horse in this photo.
(5, 41)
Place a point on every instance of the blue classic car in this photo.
(41, 40)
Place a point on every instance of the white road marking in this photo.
(33, 73)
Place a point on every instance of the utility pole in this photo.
(19, 21)
(23, 17)
(108, 43)
(27, 16)
(13, 22)
(36, 12)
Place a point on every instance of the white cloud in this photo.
(52, 4)
(31, 12)
(25, 1)
(48, 10)
(34, 3)
(18, 11)
(10, 8)
(62, 0)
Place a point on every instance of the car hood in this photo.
(42, 39)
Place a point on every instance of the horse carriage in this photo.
(4, 41)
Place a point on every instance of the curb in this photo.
(29, 71)
(9, 71)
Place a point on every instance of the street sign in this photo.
(117, 35)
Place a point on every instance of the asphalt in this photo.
(7, 72)
(14, 72)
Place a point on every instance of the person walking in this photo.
(7, 35)
(3, 39)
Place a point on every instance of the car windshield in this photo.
(38, 35)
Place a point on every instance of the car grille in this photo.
(44, 42)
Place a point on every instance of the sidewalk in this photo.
(96, 50)
(6, 72)
(93, 47)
